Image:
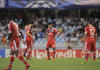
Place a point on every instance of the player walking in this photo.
(90, 45)
(52, 32)
(14, 40)
(29, 40)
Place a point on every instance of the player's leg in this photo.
(94, 50)
(94, 55)
(30, 42)
(25, 51)
(29, 46)
(29, 53)
(24, 47)
(47, 51)
(87, 47)
(12, 48)
(17, 42)
(53, 47)
(21, 58)
(53, 54)
(86, 55)
(11, 61)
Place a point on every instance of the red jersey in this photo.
(14, 29)
(52, 32)
(91, 31)
(28, 30)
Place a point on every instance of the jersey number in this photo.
(92, 32)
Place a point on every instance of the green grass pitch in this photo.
(57, 64)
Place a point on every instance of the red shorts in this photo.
(29, 41)
(90, 44)
(14, 44)
(51, 44)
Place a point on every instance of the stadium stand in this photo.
(72, 28)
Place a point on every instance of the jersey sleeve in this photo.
(47, 30)
(95, 31)
(10, 27)
(86, 29)
(56, 31)
(27, 29)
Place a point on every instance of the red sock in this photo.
(94, 56)
(11, 61)
(22, 59)
(86, 56)
(28, 55)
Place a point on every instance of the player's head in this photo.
(31, 25)
(90, 22)
(50, 25)
(10, 18)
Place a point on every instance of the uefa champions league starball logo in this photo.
(40, 4)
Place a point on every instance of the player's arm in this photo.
(9, 37)
(47, 35)
(9, 33)
(85, 34)
(58, 34)
(96, 36)
(29, 33)
(21, 34)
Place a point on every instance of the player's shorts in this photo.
(14, 44)
(51, 44)
(90, 44)
(29, 41)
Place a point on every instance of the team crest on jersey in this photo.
(51, 30)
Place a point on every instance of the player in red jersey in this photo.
(13, 38)
(90, 44)
(29, 40)
(52, 32)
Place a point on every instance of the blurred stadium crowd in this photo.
(72, 27)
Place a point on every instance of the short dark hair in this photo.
(49, 23)
(10, 18)
(90, 21)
